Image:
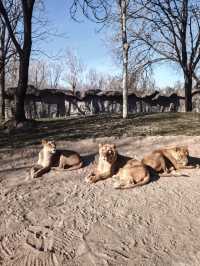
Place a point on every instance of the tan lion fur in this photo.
(127, 172)
(51, 158)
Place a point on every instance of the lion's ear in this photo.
(100, 145)
(44, 141)
(176, 148)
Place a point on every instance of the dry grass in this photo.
(104, 126)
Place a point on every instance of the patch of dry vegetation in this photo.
(104, 125)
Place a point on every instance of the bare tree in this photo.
(23, 50)
(45, 74)
(12, 69)
(96, 10)
(94, 80)
(2, 68)
(55, 71)
(123, 6)
(169, 30)
(38, 74)
(7, 50)
(75, 70)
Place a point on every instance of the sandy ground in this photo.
(59, 219)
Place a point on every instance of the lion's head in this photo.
(49, 146)
(108, 152)
(180, 154)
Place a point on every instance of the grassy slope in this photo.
(105, 125)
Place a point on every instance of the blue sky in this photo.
(88, 44)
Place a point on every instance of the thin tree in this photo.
(23, 50)
(75, 69)
(123, 6)
(2, 69)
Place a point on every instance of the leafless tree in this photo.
(45, 74)
(169, 30)
(96, 10)
(94, 80)
(23, 48)
(38, 74)
(2, 68)
(55, 71)
(123, 6)
(7, 50)
(12, 69)
(75, 69)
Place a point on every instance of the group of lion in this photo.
(125, 171)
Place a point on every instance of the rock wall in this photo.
(50, 103)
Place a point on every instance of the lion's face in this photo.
(108, 152)
(49, 146)
(181, 155)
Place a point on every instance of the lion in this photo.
(126, 171)
(51, 158)
(134, 173)
(104, 165)
(168, 159)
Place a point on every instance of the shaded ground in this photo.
(59, 219)
(105, 125)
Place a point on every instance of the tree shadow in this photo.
(15, 169)
(101, 125)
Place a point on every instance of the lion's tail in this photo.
(77, 166)
(176, 174)
(123, 185)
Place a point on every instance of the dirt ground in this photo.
(59, 219)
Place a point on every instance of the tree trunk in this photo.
(124, 84)
(24, 55)
(188, 93)
(2, 70)
(21, 88)
(23, 50)
(125, 46)
(2, 90)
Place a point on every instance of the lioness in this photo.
(167, 159)
(127, 171)
(104, 165)
(50, 157)
(132, 174)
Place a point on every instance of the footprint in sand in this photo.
(38, 246)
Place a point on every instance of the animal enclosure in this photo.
(51, 103)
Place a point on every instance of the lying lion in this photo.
(105, 163)
(127, 171)
(168, 159)
(50, 157)
(134, 173)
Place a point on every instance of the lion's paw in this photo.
(115, 177)
(117, 184)
(32, 173)
(90, 179)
